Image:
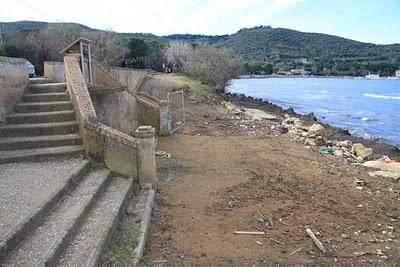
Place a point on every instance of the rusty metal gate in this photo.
(176, 110)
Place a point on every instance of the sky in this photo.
(374, 21)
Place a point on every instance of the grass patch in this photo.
(196, 84)
(120, 251)
(149, 76)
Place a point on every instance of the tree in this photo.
(177, 52)
(138, 48)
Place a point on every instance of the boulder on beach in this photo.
(232, 109)
(346, 143)
(316, 130)
(257, 115)
(361, 151)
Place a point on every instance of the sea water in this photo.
(366, 107)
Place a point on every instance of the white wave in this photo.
(323, 91)
(383, 96)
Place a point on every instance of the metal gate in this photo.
(176, 110)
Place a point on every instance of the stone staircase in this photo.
(75, 222)
(43, 125)
(74, 225)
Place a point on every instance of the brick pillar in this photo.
(165, 123)
(94, 143)
(95, 146)
(146, 156)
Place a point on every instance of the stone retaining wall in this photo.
(13, 81)
(131, 79)
(54, 70)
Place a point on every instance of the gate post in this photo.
(146, 156)
(165, 122)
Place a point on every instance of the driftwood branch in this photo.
(316, 241)
(248, 233)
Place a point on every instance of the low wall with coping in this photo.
(13, 81)
(54, 70)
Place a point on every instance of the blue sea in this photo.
(367, 108)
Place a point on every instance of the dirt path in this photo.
(220, 179)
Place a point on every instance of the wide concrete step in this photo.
(40, 117)
(35, 154)
(43, 245)
(48, 97)
(16, 130)
(39, 80)
(37, 214)
(47, 88)
(29, 142)
(43, 106)
(94, 235)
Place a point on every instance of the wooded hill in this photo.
(284, 49)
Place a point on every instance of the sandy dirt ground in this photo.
(229, 174)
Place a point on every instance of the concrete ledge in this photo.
(111, 133)
(36, 216)
(143, 210)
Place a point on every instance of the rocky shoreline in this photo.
(332, 134)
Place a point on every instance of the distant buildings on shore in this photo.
(397, 73)
(301, 72)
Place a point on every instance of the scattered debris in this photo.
(358, 181)
(316, 241)
(259, 243)
(327, 150)
(297, 250)
(234, 202)
(163, 154)
(248, 233)
(361, 253)
(276, 241)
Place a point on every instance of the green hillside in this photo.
(276, 49)
(315, 51)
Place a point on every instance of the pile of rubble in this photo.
(315, 136)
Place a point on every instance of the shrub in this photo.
(213, 66)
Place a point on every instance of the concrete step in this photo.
(36, 154)
(16, 130)
(30, 142)
(43, 106)
(48, 97)
(94, 235)
(43, 245)
(40, 117)
(39, 80)
(37, 214)
(47, 88)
